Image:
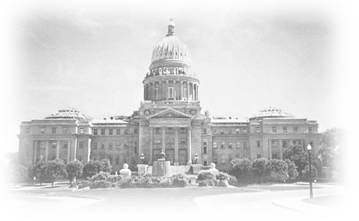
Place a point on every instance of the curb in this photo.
(302, 211)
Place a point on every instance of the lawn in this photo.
(336, 201)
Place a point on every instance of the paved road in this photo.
(257, 206)
(38, 207)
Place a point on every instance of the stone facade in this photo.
(170, 118)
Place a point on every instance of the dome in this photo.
(69, 113)
(171, 47)
(271, 112)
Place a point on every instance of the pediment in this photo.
(169, 113)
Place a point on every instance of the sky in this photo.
(248, 57)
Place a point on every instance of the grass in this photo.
(337, 201)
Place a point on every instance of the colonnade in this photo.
(171, 90)
(176, 142)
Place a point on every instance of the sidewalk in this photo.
(296, 204)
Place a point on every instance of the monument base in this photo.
(142, 169)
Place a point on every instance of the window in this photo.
(274, 143)
(53, 130)
(118, 146)
(245, 144)
(102, 131)
(204, 131)
(245, 130)
(285, 129)
(102, 146)
(258, 129)
(182, 130)
(214, 144)
(54, 145)
(214, 131)
(94, 145)
(81, 130)
(110, 146)
(284, 143)
(295, 129)
(310, 129)
(182, 142)
(110, 131)
(229, 131)
(118, 131)
(170, 92)
(205, 150)
(204, 143)
(237, 131)
(223, 159)
(205, 163)
(222, 131)
(79, 157)
(258, 143)
(214, 158)
(42, 130)
(135, 131)
(259, 156)
(94, 131)
(274, 129)
(230, 145)
(81, 144)
(65, 146)
(27, 130)
(238, 145)
(222, 145)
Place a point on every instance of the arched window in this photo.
(171, 70)
(160, 71)
(175, 71)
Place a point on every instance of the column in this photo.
(151, 143)
(68, 150)
(57, 149)
(46, 149)
(176, 145)
(75, 149)
(163, 138)
(270, 150)
(34, 159)
(189, 129)
(197, 92)
(181, 90)
(87, 159)
(280, 150)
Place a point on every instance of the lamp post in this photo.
(309, 148)
(142, 159)
(196, 159)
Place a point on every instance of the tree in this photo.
(106, 165)
(91, 168)
(292, 171)
(50, 171)
(17, 173)
(241, 169)
(12, 157)
(343, 142)
(298, 155)
(74, 170)
(258, 169)
(276, 170)
(330, 148)
(306, 173)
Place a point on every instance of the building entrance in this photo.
(182, 157)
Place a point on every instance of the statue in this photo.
(213, 168)
(162, 156)
(125, 172)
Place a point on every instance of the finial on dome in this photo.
(171, 27)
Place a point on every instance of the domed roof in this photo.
(271, 112)
(69, 113)
(171, 47)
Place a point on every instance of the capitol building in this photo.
(170, 118)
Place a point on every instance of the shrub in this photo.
(74, 170)
(205, 175)
(222, 176)
(292, 171)
(91, 168)
(100, 176)
(17, 173)
(306, 173)
(241, 169)
(232, 180)
(100, 184)
(276, 170)
(258, 169)
(83, 184)
(114, 178)
(106, 165)
(50, 171)
(179, 180)
(208, 182)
